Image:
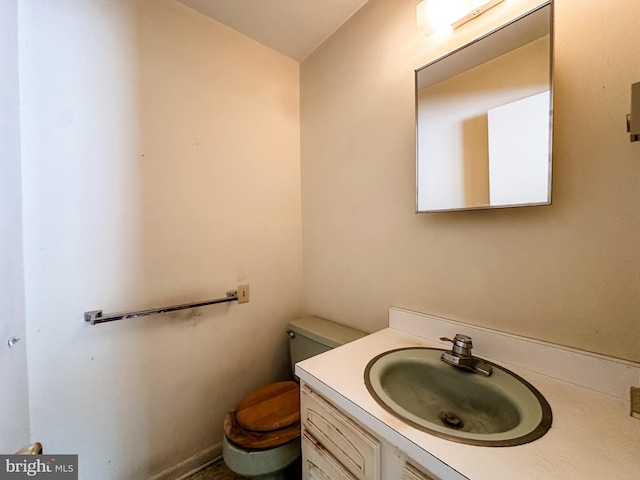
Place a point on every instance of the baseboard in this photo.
(191, 465)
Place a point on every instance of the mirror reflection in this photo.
(484, 115)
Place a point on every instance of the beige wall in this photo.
(567, 273)
(161, 166)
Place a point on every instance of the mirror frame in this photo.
(462, 49)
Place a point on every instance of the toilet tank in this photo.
(309, 336)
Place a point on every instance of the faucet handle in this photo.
(459, 340)
(460, 355)
(463, 341)
(462, 344)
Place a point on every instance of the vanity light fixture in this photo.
(441, 15)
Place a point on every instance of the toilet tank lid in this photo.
(325, 332)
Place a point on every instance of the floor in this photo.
(216, 471)
(219, 471)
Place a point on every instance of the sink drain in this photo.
(451, 420)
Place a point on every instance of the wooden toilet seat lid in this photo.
(258, 440)
(272, 407)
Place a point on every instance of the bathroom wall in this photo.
(566, 273)
(14, 414)
(160, 164)
(160, 157)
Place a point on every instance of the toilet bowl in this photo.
(261, 464)
(262, 434)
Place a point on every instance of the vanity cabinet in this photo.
(335, 447)
(412, 473)
(319, 464)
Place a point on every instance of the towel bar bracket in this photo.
(95, 316)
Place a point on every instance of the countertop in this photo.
(592, 436)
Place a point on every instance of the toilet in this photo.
(262, 434)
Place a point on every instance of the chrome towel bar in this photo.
(96, 316)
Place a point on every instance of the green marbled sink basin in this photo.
(499, 410)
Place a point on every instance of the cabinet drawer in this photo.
(318, 464)
(412, 473)
(349, 443)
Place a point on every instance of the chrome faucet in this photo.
(460, 356)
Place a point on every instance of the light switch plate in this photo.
(243, 293)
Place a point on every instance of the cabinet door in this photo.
(357, 450)
(412, 473)
(318, 464)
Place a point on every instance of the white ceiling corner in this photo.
(292, 27)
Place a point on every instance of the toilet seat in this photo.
(266, 418)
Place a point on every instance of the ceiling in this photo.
(292, 27)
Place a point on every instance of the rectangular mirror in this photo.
(484, 118)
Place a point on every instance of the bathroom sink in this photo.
(498, 410)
